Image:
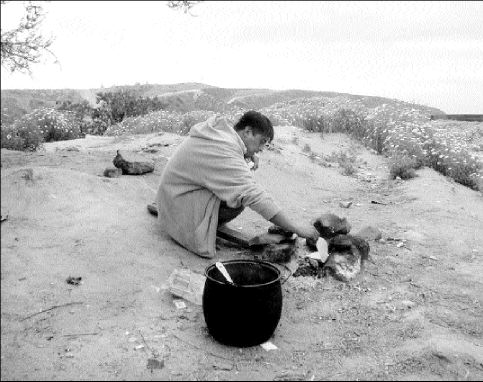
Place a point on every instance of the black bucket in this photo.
(247, 313)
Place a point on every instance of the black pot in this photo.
(247, 313)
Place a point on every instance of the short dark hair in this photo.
(258, 122)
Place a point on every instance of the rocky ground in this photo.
(415, 312)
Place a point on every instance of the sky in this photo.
(430, 53)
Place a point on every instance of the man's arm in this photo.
(304, 230)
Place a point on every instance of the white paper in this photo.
(179, 304)
(268, 346)
(323, 249)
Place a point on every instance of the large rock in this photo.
(347, 254)
(112, 172)
(370, 233)
(350, 242)
(328, 226)
(132, 164)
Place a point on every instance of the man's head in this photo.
(255, 130)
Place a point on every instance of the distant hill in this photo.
(182, 97)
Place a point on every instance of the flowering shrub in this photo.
(193, 117)
(41, 125)
(21, 139)
(403, 167)
(399, 130)
(345, 160)
(162, 120)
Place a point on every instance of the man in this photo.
(208, 182)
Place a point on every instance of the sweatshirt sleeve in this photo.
(225, 172)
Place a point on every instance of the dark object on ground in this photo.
(311, 244)
(154, 363)
(275, 229)
(347, 254)
(309, 267)
(28, 174)
(369, 233)
(269, 238)
(233, 236)
(330, 225)
(246, 314)
(153, 209)
(245, 241)
(112, 172)
(73, 280)
(132, 164)
(348, 242)
(51, 308)
(4, 217)
(278, 253)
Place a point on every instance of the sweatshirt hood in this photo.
(217, 128)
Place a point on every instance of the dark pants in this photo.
(227, 214)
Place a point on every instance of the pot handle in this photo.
(289, 273)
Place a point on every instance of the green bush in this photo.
(21, 139)
(402, 167)
(127, 103)
(315, 123)
(457, 164)
(307, 148)
(348, 168)
(350, 122)
(42, 125)
(157, 121)
(346, 161)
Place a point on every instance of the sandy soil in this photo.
(414, 313)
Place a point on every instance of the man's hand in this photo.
(308, 231)
(254, 159)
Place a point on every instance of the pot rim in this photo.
(260, 262)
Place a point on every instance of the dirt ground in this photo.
(415, 313)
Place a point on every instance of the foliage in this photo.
(42, 125)
(11, 110)
(185, 5)
(21, 138)
(163, 120)
(396, 129)
(125, 103)
(402, 167)
(307, 148)
(111, 108)
(91, 120)
(457, 164)
(24, 45)
(345, 161)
